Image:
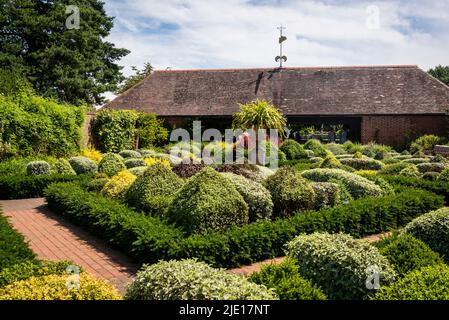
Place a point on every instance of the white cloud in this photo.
(237, 33)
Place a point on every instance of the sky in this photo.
(202, 34)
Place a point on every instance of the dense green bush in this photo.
(290, 192)
(431, 176)
(406, 253)
(22, 187)
(363, 164)
(256, 196)
(410, 171)
(13, 248)
(416, 161)
(330, 162)
(315, 145)
(187, 170)
(339, 264)
(35, 125)
(208, 202)
(433, 229)
(425, 144)
(54, 287)
(293, 150)
(192, 280)
(327, 194)
(83, 165)
(444, 176)
(357, 186)
(134, 162)
(336, 149)
(285, 279)
(96, 184)
(431, 167)
(150, 130)
(35, 168)
(153, 191)
(111, 164)
(394, 168)
(429, 283)
(138, 171)
(128, 154)
(117, 186)
(62, 166)
(114, 130)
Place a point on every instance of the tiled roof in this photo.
(296, 91)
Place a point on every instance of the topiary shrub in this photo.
(92, 154)
(256, 196)
(153, 191)
(363, 164)
(431, 167)
(290, 192)
(394, 168)
(431, 176)
(309, 153)
(117, 186)
(138, 171)
(410, 171)
(193, 280)
(35, 168)
(336, 149)
(425, 144)
(293, 150)
(208, 202)
(54, 287)
(134, 162)
(390, 160)
(285, 279)
(433, 229)
(186, 170)
(83, 165)
(356, 185)
(416, 160)
(429, 283)
(96, 185)
(150, 161)
(315, 145)
(126, 154)
(406, 253)
(111, 164)
(339, 264)
(444, 175)
(327, 194)
(344, 156)
(62, 166)
(330, 162)
(316, 160)
(249, 171)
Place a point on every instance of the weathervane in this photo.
(280, 57)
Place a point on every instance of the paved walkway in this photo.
(53, 238)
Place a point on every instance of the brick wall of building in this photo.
(399, 130)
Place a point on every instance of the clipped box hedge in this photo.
(22, 187)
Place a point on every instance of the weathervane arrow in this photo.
(281, 58)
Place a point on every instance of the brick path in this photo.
(51, 237)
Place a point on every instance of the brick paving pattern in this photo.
(54, 238)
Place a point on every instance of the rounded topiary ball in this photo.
(293, 150)
(38, 168)
(208, 202)
(111, 164)
(62, 166)
(126, 154)
(134, 162)
(83, 165)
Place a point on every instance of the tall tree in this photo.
(40, 38)
(138, 76)
(441, 73)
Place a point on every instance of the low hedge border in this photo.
(148, 239)
(22, 187)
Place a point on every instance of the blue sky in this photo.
(193, 34)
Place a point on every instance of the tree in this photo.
(150, 131)
(259, 114)
(134, 79)
(71, 64)
(441, 73)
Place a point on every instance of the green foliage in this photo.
(111, 164)
(96, 184)
(330, 162)
(33, 125)
(285, 279)
(431, 176)
(13, 248)
(256, 196)
(410, 171)
(114, 130)
(416, 160)
(339, 264)
(23, 187)
(290, 192)
(153, 191)
(135, 78)
(431, 167)
(192, 280)
(327, 194)
(130, 154)
(363, 164)
(207, 202)
(35, 168)
(117, 186)
(83, 165)
(138, 171)
(352, 147)
(62, 166)
(318, 149)
(259, 114)
(151, 131)
(429, 283)
(441, 73)
(394, 168)
(72, 65)
(425, 144)
(444, 176)
(54, 287)
(433, 229)
(374, 150)
(336, 149)
(356, 185)
(134, 162)
(407, 253)
(293, 150)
